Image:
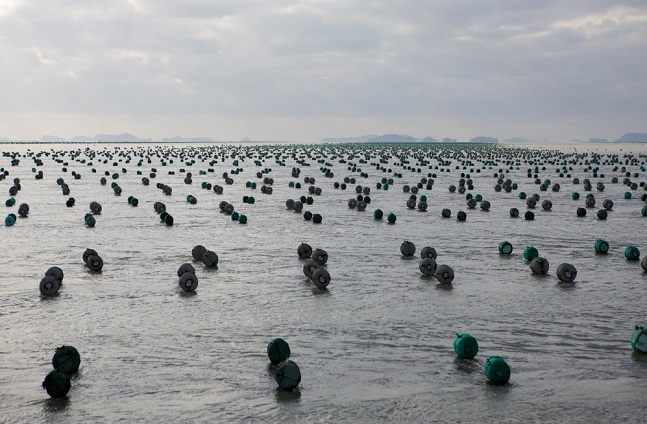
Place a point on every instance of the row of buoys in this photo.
(93, 260)
(313, 268)
(496, 369)
(208, 257)
(52, 281)
(286, 372)
(66, 362)
(427, 265)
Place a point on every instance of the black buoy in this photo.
(210, 259)
(198, 252)
(57, 384)
(188, 282)
(320, 256)
(66, 359)
(304, 251)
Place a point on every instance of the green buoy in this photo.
(465, 346)
(632, 253)
(601, 246)
(57, 383)
(514, 212)
(639, 339)
(446, 213)
(66, 359)
(505, 248)
(530, 253)
(278, 350)
(602, 214)
(391, 218)
(288, 375)
(497, 370)
(242, 219)
(378, 214)
(10, 220)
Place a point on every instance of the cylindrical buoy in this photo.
(184, 268)
(407, 248)
(391, 218)
(539, 265)
(188, 282)
(378, 214)
(210, 259)
(57, 384)
(602, 214)
(566, 273)
(639, 339)
(529, 215)
(530, 253)
(278, 350)
(428, 266)
(309, 268)
(581, 212)
(505, 248)
(497, 370)
(66, 359)
(514, 212)
(55, 272)
(316, 218)
(49, 285)
(601, 246)
(288, 375)
(461, 216)
(632, 253)
(95, 263)
(643, 263)
(444, 274)
(320, 256)
(446, 213)
(428, 252)
(198, 253)
(321, 278)
(304, 251)
(465, 346)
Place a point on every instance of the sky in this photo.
(285, 70)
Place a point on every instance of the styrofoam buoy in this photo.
(465, 346)
(288, 375)
(49, 285)
(198, 252)
(632, 253)
(57, 384)
(210, 259)
(66, 359)
(320, 256)
(188, 282)
(304, 251)
(321, 278)
(566, 273)
(407, 248)
(278, 350)
(55, 272)
(184, 268)
(428, 266)
(444, 274)
(601, 246)
(530, 253)
(539, 265)
(505, 248)
(639, 339)
(428, 252)
(497, 370)
(309, 268)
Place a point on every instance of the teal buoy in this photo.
(601, 246)
(632, 253)
(89, 220)
(242, 219)
(10, 220)
(168, 220)
(57, 383)
(446, 213)
(465, 346)
(514, 212)
(391, 218)
(627, 195)
(575, 195)
(497, 370)
(278, 350)
(288, 375)
(66, 359)
(643, 211)
(378, 214)
(505, 248)
(530, 253)
(639, 339)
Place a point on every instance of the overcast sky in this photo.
(303, 70)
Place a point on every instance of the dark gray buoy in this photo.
(321, 278)
(49, 285)
(566, 273)
(407, 248)
(539, 265)
(428, 252)
(188, 282)
(304, 251)
(428, 266)
(184, 268)
(198, 252)
(320, 256)
(309, 268)
(57, 384)
(444, 274)
(210, 259)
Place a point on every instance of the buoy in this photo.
(581, 212)
(643, 263)
(497, 370)
(461, 216)
(188, 282)
(514, 212)
(505, 248)
(288, 375)
(378, 214)
(198, 252)
(210, 259)
(529, 215)
(428, 252)
(632, 253)
(639, 339)
(95, 263)
(57, 384)
(539, 265)
(184, 268)
(49, 285)
(304, 251)
(316, 218)
(66, 359)
(55, 272)
(444, 274)
(607, 204)
(601, 246)
(278, 350)
(89, 220)
(566, 273)
(309, 268)
(95, 208)
(320, 256)
(547, 205)
(530, 253)
(10, 220)
(485, 205)
(391, 218)
(602, 214)
(307, 215)
(428, 266)
(321, 278)
(407, 248)
(446, 213)
(465, 346)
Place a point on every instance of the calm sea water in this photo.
(375, 346)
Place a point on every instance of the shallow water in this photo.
(375, 346)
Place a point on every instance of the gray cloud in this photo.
(291, 69)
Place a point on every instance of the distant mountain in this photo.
(516, 140)
(246, 140)
(598, 140)
(52, 139)
(449, 140)
(392, 138)
(633, 138)
(484, 140)
(429, 140)
(178, 139)
(81, 139)
(110, 138)
(360, 139)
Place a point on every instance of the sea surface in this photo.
(377, 344)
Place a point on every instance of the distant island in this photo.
(402, 138)
(121, 138)
(598, 140)
(633, 138)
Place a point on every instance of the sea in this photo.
(376, 344)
